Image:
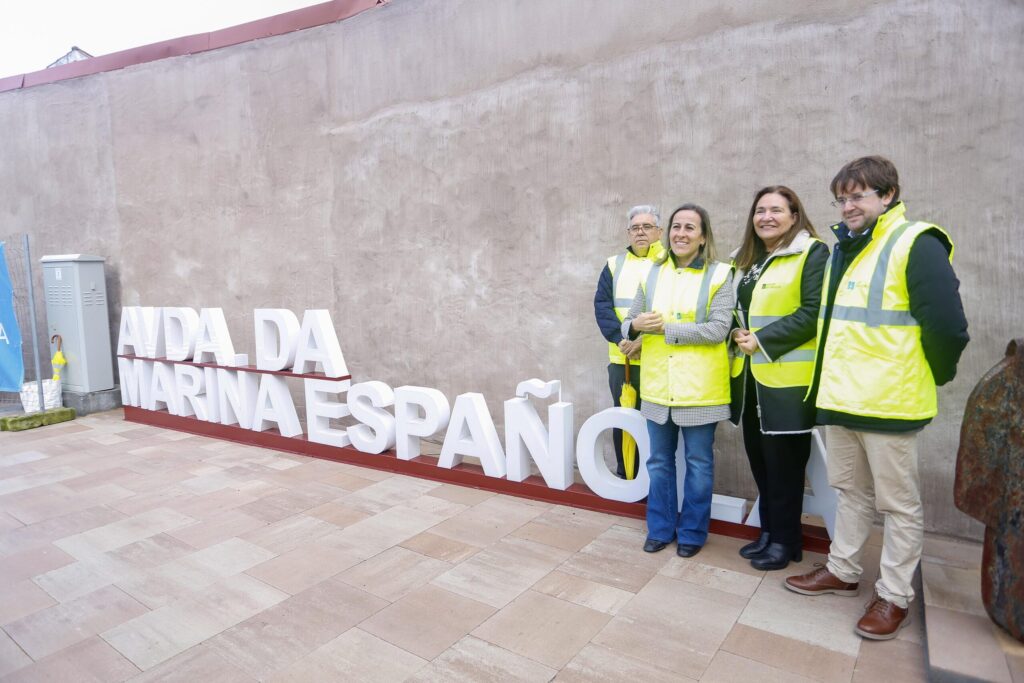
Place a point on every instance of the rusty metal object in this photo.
(990, 484)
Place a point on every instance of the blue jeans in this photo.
(664, 520)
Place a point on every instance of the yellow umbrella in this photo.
(58, 361)
(627, 399)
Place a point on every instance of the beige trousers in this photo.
(870, 472)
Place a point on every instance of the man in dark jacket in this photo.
(615, 291)
(891, 329)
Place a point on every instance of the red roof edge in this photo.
(306, 17)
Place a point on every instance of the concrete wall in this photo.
(448, 177)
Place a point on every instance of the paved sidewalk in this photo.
(129, 552)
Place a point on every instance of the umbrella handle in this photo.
(60, 341)
(627, 371)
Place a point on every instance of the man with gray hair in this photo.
(616, 288)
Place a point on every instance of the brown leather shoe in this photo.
(820, 581)
(882, 620)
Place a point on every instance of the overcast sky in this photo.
(35, 33)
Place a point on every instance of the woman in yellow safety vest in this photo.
(779, 271)
(683, 310)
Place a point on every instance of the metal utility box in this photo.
(76, 309)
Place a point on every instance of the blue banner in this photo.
(12, 366)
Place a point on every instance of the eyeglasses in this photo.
(643, 227)
(840, 202)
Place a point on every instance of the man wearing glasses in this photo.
(891, 328)
(615, 291)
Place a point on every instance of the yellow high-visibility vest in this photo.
(776, 295)
(628, 271)
(873, 363)
(686, 375)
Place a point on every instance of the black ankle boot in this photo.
(777, 556)
(755, 548)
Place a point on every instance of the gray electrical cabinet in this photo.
(76, 309)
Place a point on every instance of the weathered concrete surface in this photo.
(448, 178)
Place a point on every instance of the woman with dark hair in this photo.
(683, 310)
(779, 270)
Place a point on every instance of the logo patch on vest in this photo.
(851, 285)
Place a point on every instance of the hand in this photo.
(633, 352)
(651, 323)
(745, 340)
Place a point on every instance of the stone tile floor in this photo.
(129, 552)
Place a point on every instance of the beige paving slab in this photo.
(224, 559)
(616, 558)
(152, 551)
(124, 531)
(440, 548)
(108, 475)
(57, 627)
(84, 576)
(211, 505)
(338, 514)
(565, 527)
(596, 596)
(353, 656)
(697, 617)
(12, 657)
(464, 495)
(823, 620)
(951, 551)
(90, 661)
(695, 571)
(726, 667)
(277, 506)
(378, 533)
(952, 587)
(197, 664)
(32, 562)
(41, 533)
(445, 509)
(281, 635)
(500, 572)
(543, 628)
(22, 598)
(427, 621)
(351, 480)
(7, 523)
(193, 572)
(388, 493)
(54, 500)
(227, 525)
(305, 566)
(394, 573)
(472, 660)
(488, 521)
(597, 664)
(723, 552)
(977, 652)
(29, 481)
(157, 636)
(895, 661)
(19, 457)
(150, 496)
(287, 533)
(789, 655)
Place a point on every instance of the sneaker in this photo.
(820, 581)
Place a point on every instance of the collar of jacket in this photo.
(653, 252)
(697, 263)
(892, 216)
(797, 246)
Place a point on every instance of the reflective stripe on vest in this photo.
(691, 374)
(627, 270)
(873, 364)
(776, 295)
